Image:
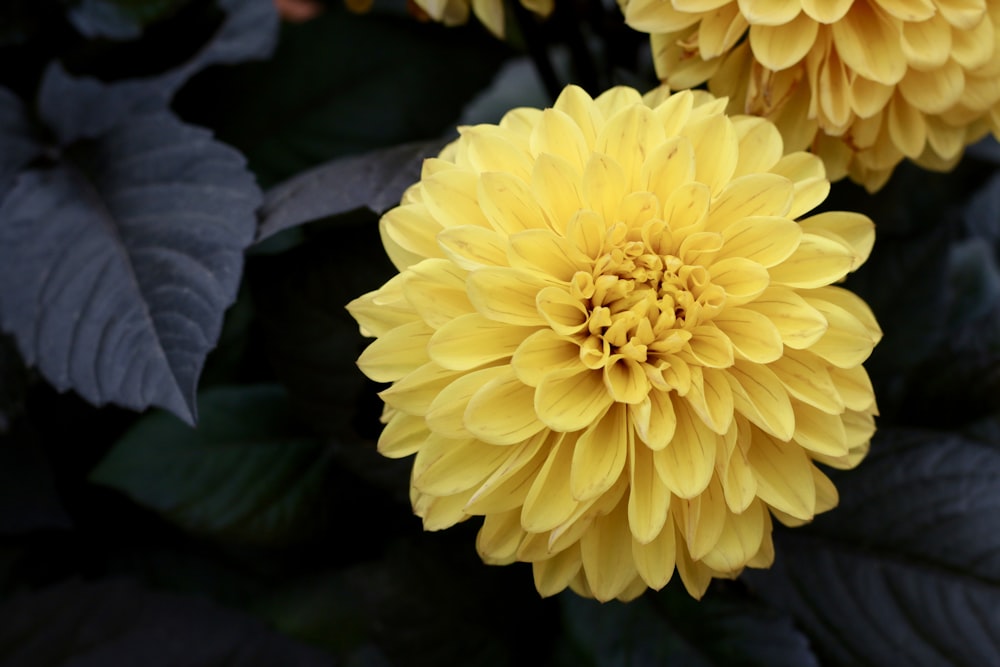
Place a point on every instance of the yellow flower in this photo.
(611, 338)
(489, 12)
(863, 83)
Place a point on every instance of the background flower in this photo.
(611, 337)
(490, 12)
(862, 83)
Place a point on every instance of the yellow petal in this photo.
(934, 92)
(720, 30)
(499, 537)
(743, 280)
(694, 575)
(440, 512)
(651, 16)
(711, 398)
(414, 393)
(806, 378)
(686, 207)
(436, 290)
(854, 387)
(826, 11)
(507, 295)
(654, 560)
(542, 250)
(799, 324)
(604, 186)
(472, 247)
(738, 483)
(508, 486)
(544, 352)
(451, 198)
(409, 234)
(490, 148)
(760, 397)
(667, 167)
(578, 105)
(556, 186)
(625, 379)
(501, 412)
(508, 203)
(654, 420)
(709, 347)
(751, 195)
(490, 12)
(553, 574)
(769, 12)
(609, 568)
(558, 134)
(446, 415)
(566, 314)
(754, 336)
(702, 518)
(818, 261)
(819, 431)
(716, 150)
(649, 498)
(402, 436)
(784, 479)
(868, 44)
(549, 501)
(599, 455)
(760, 145)
(741, 538)
(781, 46)
(472, 340)
(396, 353)
(569, 401)
(927, 43)
(848, 341)
(444, 467)
(686, 465)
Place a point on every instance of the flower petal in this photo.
(397, 352)
(654, 420)
(686, 465)
(570, 401)
(799, 324)
(471, 340)
(507, 487)
(609, 568)
(754, 336)
(760, 397)
(599, 455)
(784, 477)
(549, 501)
(501, 412)
(702, 518)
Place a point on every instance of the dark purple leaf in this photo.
(118, 272)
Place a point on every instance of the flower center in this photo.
(642, 303)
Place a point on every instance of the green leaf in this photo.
(906, 571)
(671, 628)
(342, 84)
(244, 475)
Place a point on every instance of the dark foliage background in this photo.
(189, 193)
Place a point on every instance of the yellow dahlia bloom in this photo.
(489, 12)
(612, 336)
(863, 83)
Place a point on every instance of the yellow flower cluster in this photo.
(615, 336)
(863, 83)
(489, 12)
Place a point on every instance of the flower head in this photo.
(489, 12)
(611, 338)
(864, 83)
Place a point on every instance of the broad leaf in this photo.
(375, 180)
(243, 475)
(117, 622)
(117, 271)
(119, 19)
(907, 569)
(85, 107)
(671, 628)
